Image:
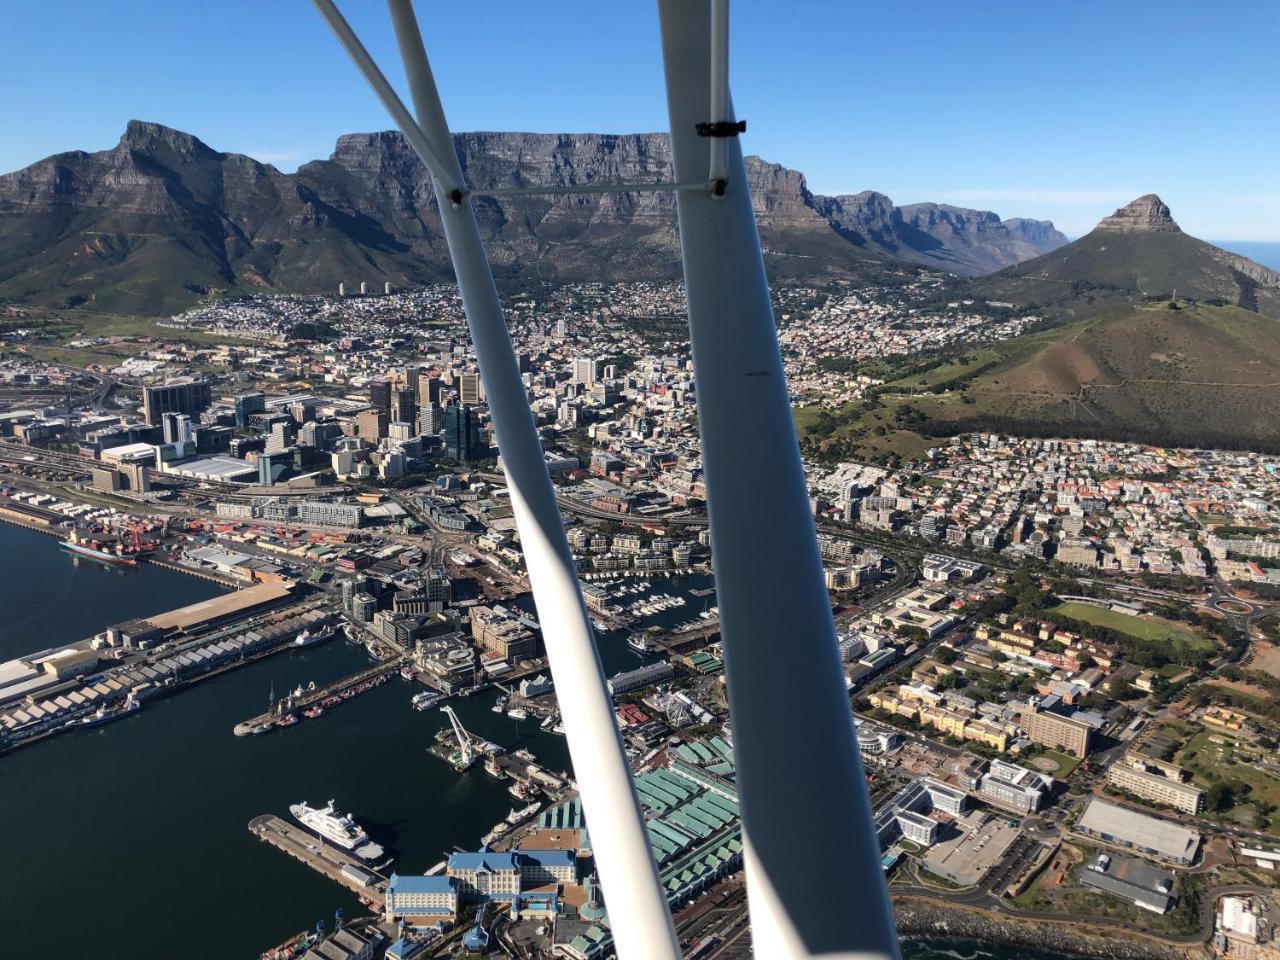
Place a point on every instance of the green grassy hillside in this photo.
(1184, 374)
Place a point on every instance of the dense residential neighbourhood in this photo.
(1061, 653)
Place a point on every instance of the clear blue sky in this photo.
(1040, 109)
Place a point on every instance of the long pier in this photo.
(309, 698)
(228, 582)
(173, 684)
(523, 766)
(368, 884)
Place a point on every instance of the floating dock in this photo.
(369, 885)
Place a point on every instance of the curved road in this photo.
(981, 899)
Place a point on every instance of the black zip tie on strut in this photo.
(722, 128)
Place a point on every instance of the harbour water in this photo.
(132, 840)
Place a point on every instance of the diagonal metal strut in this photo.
(638, 913)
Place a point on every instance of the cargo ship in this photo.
(108, 551)
(340, 830)
(106, 714)
(309, 639)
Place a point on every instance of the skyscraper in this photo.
(431, 419)
(404, 406)
(280, 438)
(468, 388)
(277, 466)
(380, 396)
(177, 396)
(177, 427)
(462, 437)
(319, 435)
(432, 386)
(585, 370)
(247, 404)
(372, 424)
(413, 378)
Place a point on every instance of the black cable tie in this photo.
(722, 128)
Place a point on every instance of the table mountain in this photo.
(163, 219)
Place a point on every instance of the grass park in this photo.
(1143, 628)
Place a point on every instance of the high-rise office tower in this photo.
(432, 386)
(177, 427)
(586, 371)
(380, 396)
(404, 406)
(372, 425)
(413, 378)
(320, 435)
(462, 437)
(177, 396)
(303, 410)
(431, 419)
(247, 404)
(276, 466)
(280, 438)
(469, 388)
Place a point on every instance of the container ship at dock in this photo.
(106, 550)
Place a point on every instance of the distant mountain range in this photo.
(163, 219)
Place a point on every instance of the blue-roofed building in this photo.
(484, 873)
(487, 874)
(538, 867)
(421, 901)
(404, 949)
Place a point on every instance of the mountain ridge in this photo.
(1121, 357)
(1138, 252)
(162, 219)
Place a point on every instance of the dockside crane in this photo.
(466, 745)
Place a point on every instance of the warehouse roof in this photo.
(1139, 830)
(218, 607)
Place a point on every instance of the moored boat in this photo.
(106, 714)
(341, 830)
(425, 700)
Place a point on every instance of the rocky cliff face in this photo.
(162, 218)
(1147, 214)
